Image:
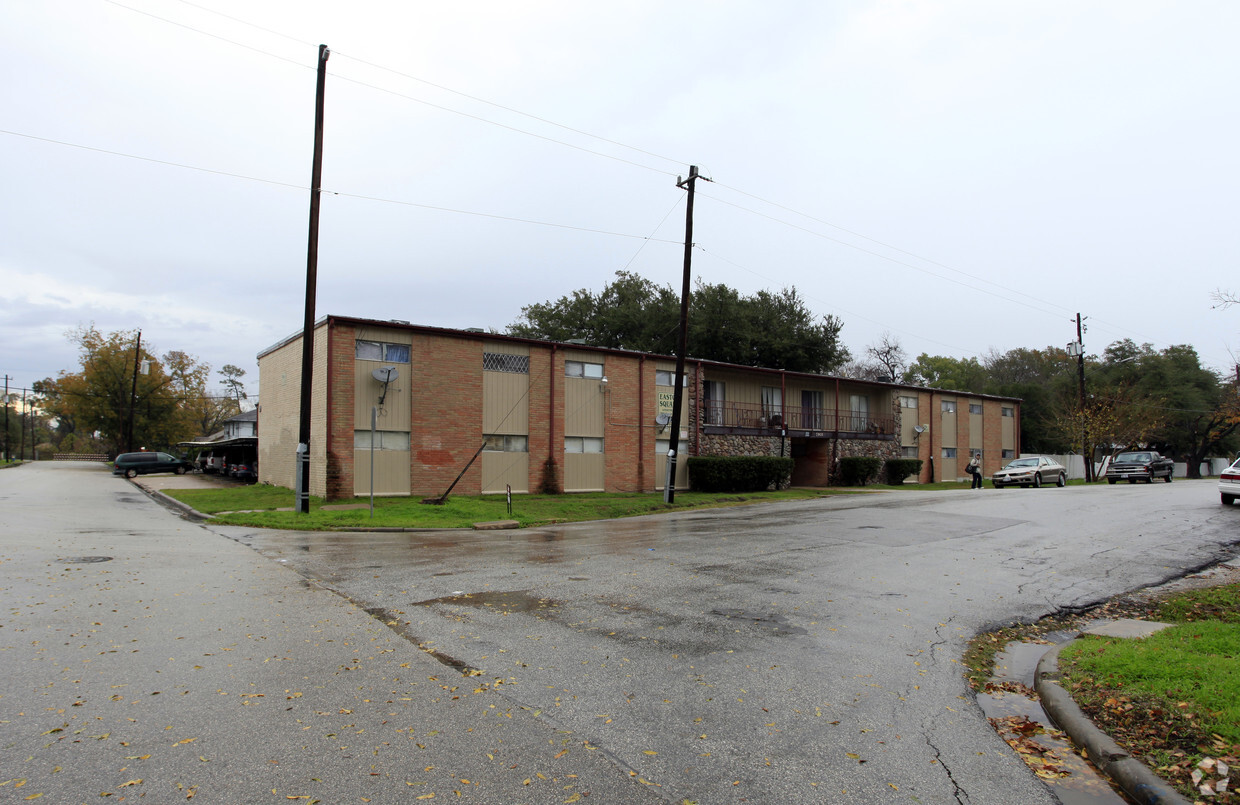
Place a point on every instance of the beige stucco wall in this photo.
(279, 414)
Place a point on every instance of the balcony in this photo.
(730, 417)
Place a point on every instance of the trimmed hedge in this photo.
(897, 469)
(859, 470)
(738, 473)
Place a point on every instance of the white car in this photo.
(1229, 483)
(1031, 471)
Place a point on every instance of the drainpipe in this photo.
(783, 409)
(931, 423)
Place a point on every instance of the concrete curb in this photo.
(1129, 773)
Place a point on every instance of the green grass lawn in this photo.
(256, 505)
(1171, 698)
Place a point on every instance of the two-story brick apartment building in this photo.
(580, 418)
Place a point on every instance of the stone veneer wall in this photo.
(721, 444)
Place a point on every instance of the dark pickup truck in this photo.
(1140, 465)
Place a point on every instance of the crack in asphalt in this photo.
(961, 796)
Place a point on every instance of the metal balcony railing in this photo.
(818, 420)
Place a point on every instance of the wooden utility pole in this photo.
(1086, 453)
(133, 392)
(302, 503)
(669, 487)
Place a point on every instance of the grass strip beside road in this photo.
(1171, 699)
(257, 506)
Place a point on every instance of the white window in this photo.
(860, 407)
(583, 444)
(948, 406)
(772, 401)
(384, 440)
(908, 452)
(713, 394)
(949, 452)
(501, 443)
(382, 351)
(503, 362)
(1009, 412)
(974, 408)
(1008, 454)
(582, 369)
(908, 402)
(667, 377)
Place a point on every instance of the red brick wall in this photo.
(341, 352)
(622, 418)
(446, 426)
(546, 370)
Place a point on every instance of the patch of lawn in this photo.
(255, 506)
(1171, 699)
(1192, 668)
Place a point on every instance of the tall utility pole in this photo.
(302, 503)
(1080, 372)
(8, 456)
(669, 487)
(133, 393)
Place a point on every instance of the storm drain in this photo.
(84, 560)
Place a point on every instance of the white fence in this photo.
(1076, 466)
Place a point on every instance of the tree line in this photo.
(124, 396)
(1134, 395)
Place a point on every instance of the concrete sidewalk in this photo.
(144, 657)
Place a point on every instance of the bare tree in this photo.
(889, 356)
(1224, 299)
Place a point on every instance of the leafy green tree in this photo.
(110, 393)
(232, 383)
(773, 330)
(937, 371)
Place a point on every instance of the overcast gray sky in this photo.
(964, 174)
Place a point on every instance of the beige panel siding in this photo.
(909, 420)
(947, 431)
(391, 472)
(395, 414)
(975, 432)
(501, 469)
(584, 399)
(1008, 432)
(584, 472)
(505, 402)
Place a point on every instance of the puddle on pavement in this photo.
(1011, 705)
(777, 625)
(505, 602)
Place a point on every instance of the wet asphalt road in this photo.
(805, 652)
(795, 653)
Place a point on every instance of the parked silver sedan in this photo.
(1031, 471)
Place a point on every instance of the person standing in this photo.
(975, 469)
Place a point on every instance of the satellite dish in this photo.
(919, 428)
(662, 419)
(385, 375)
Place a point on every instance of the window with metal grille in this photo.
(503, 362)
